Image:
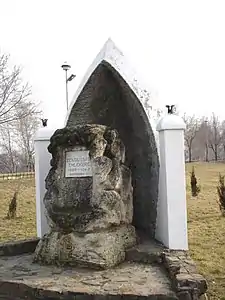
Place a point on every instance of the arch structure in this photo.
(110, 94)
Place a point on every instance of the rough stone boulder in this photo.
(88, 200)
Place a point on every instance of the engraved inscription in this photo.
(78, 164)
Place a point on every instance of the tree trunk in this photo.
(216, 153)
(190, 154)
(223, 152)
(207, 153)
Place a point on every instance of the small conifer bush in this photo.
(195, 189)
(12, 207)
(221, 194)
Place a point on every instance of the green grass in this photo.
(206, 227)
(205, 224)
(24, 225)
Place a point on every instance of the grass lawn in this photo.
(205, 224)
(24, 226)
(207, 227)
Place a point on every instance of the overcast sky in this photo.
(177, 47)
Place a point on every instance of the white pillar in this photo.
(171, 228)
(42, 167)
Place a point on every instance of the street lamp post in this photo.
(66, 67)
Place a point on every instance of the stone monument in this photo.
(105, 182)
(89, 199)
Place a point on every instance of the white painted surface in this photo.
(42, 166)
(78, 164)
(170, 122)
(171, 227)
(113, 56)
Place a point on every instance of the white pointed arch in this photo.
(110, 94)
(114, 57)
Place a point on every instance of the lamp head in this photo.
(65, 66)
(72, 76)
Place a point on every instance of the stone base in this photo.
(150, 271)
(21, 279)
(99, 250)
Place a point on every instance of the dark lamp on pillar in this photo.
(44, 122)
(171, 109)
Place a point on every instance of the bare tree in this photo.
(16, 143)
(201, 144)
(25, 129)
(147, 104)
(215, 136)
(7, 144)
(223, 138)
(18, 118)
(192, 127)
(13, 92)
(205, 127)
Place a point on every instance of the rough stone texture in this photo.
(186, 281)
(90, 217)
(107, 99)
(18, 247)
(127, 281)
(147, 252)
(150, 271)
(96, 250)
(184, 276)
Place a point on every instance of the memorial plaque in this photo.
(78, 164)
